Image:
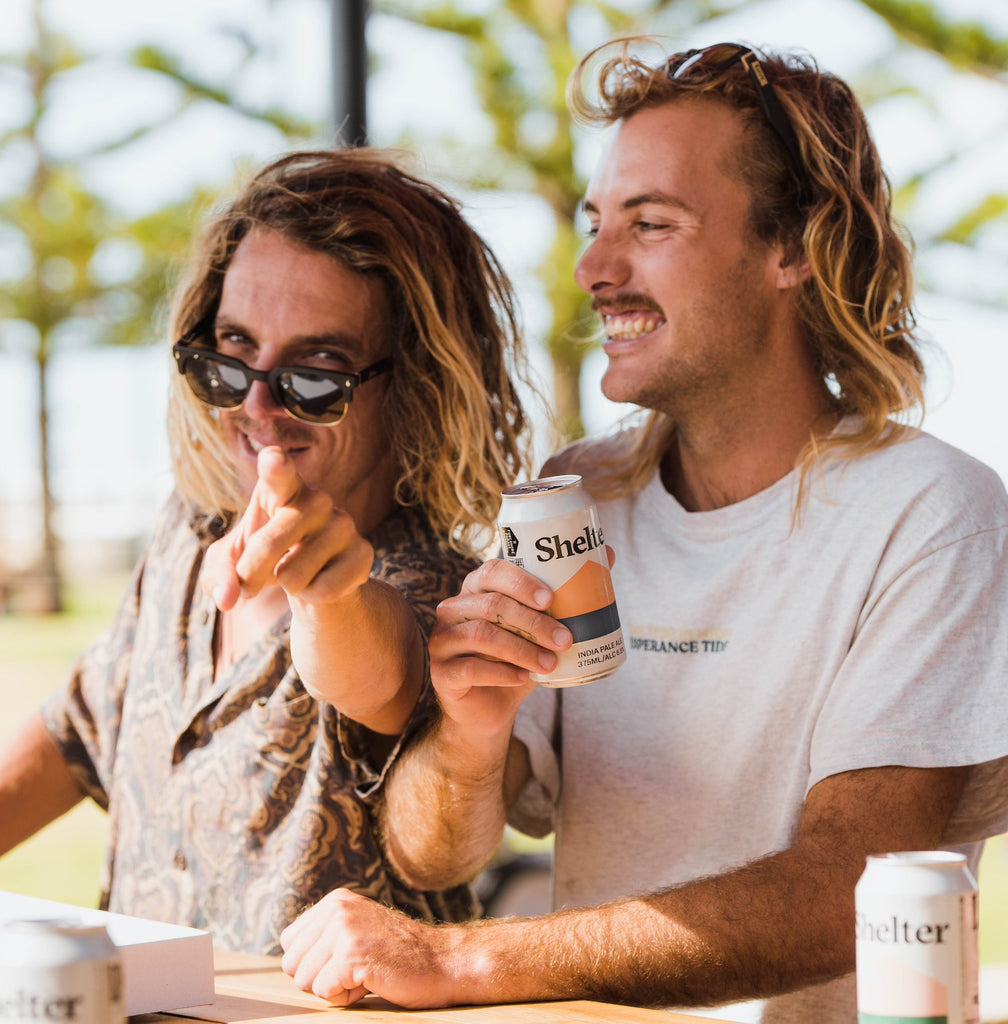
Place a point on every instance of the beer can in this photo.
(59, 970)
(550, 527)
(916, 939)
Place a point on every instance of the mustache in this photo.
(625, 303)
(281, 432)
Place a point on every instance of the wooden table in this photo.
(254, 990)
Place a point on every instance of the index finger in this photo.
(278, 482)
(498, 576)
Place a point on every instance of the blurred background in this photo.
(122, 122)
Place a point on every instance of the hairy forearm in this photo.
(364, 654)
(774, 925)
(742, 935)
(461, 789)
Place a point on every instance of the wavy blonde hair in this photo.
(856, 305)
(452, 410)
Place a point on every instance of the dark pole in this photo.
(349, 71)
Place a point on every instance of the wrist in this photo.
(468, 755)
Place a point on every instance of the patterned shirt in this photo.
(235, 804)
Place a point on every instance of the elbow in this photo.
(432, 873)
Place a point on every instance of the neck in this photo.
(710, 469)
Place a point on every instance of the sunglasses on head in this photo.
(305, 392)
(709, 62)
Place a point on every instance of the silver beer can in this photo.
(916, 939)
(59, 970)
(550, 527)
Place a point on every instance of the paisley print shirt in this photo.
(234, 805)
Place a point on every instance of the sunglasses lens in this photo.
(216, 383)
(316, 399)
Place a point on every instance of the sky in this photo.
(111, 464)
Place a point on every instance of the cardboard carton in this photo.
(165, 966)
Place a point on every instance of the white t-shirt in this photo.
(764, 656)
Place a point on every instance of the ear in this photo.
(793, 269)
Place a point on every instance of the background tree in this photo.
(79, 269)
(976, 232)
(520, 53)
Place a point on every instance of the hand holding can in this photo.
(550, 527)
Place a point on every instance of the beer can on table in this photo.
(550, 527)
(916, 938)
(58, 970)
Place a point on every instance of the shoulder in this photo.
(923, 486)
(178, 524)
(923, 464)
(593, 458)
(411, 556)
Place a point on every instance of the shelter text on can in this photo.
(58, 970)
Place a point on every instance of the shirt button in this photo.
(179, 860)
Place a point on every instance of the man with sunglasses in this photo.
(813, 596)
(343, 419)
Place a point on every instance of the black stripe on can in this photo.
(594, 624)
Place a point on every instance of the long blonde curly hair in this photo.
(856, 305)
(453, 411)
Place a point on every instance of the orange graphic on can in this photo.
(550, 527)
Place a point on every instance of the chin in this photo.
(617, 390)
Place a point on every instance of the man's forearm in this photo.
(36, 786)
(779, 923)
(363, 654)
(443, 814)
(736, 936)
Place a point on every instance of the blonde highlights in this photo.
(856, 306)
(452, 410)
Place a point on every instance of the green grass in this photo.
(63, 861)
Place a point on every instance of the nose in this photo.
(259, 403)
(602, 266)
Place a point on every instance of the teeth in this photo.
(631, 326)
(255, 445)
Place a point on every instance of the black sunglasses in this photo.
(703, 65)
(306, 393)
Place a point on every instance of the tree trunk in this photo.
(50, 582)
(567, 396)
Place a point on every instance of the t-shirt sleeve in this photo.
(924, 680)
(534, 811)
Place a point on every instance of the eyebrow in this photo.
(348, 344)
(644, 199)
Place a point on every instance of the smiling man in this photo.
(812, 592)
(342, 422)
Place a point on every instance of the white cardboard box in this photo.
(165, 966)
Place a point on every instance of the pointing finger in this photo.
(278, 482)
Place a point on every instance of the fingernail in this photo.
(560, 637)
(548, 661)
(542, 598)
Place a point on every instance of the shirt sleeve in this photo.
(534, 811)
(84, 716)
(923, 682)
